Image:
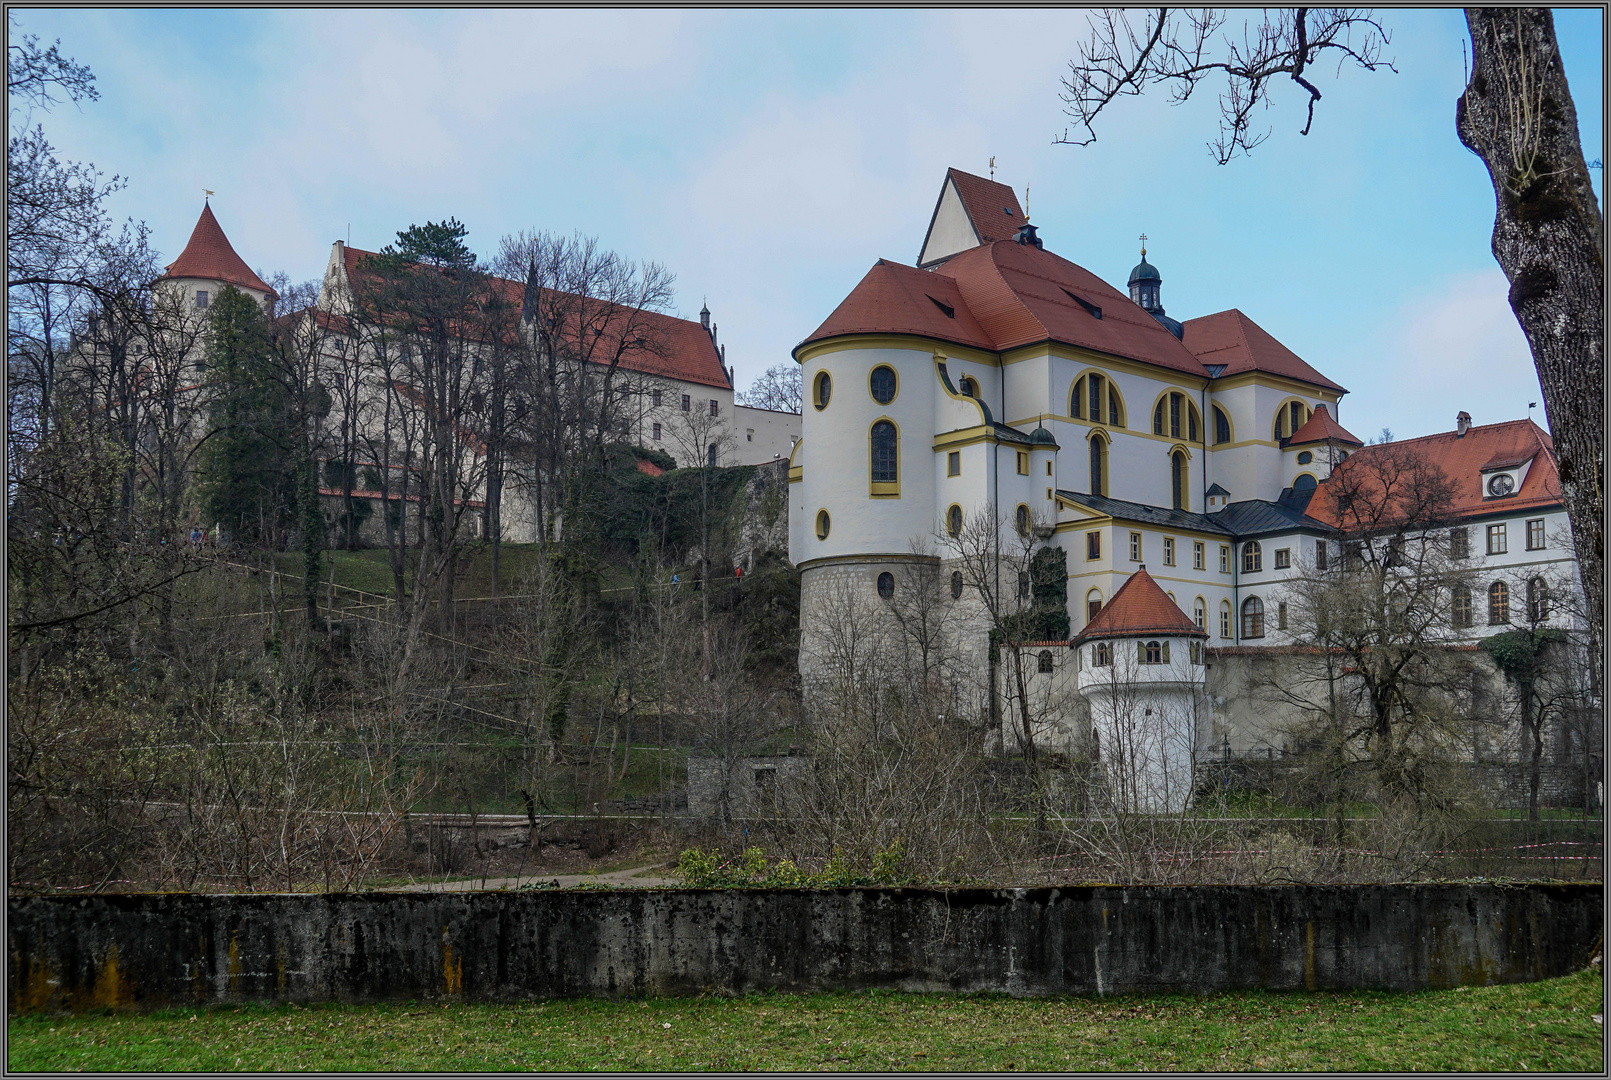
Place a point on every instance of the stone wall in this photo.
(160, 950)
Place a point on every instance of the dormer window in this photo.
(1501, 484)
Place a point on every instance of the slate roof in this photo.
(1251, 517)
(1233, 339)
(209, 256)
(1143, 514)
(1463, 459)
(1140, 608)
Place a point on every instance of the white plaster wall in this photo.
(762, 435)
(951, 232)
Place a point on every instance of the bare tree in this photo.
(777, 388)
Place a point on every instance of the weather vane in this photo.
(208, 192)
(992, 166)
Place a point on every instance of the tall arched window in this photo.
(886, 585)
(1252, 557)
(956, 584)
(953, 520)
(1178, 479)
(822, 390)
(823, 524)
(1199, 614)
(1498, 604)
(1222, 426)
(1021, 520)
(1225, 618)
(1253, 617)
(885, 463)
(1085, 400)
(1093, 604)
(1537, 600)
(1098, 465)
(1044, 661)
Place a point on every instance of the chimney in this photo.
(1462, 424)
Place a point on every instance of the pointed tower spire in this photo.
(209, 257)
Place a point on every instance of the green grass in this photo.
(1537, 1026)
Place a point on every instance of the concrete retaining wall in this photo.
(156, 950)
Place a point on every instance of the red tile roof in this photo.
(1322, 427)
(1233, 339)
(992, 207)
(1463, 459)
(1140, 608)
(1004, 295)
(208, 255)
(690, 355)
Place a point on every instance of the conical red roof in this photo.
(1138, 609)
(1322, 426)
(210, 257)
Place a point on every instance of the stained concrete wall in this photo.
(155, 950)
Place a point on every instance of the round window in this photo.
(822, 524)
(1503, 484)
(886, 585)
(1305, 457)
(822, 390)
(956, 584)
(882, 384)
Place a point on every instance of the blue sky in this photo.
(770, 157)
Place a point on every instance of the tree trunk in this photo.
(1517, 116)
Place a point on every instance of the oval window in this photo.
(1305, 457)
(882, 384)
(822, 390)
(886, 585)
(1022, 520)
(953, 521)
(822, 524)
(956, 584)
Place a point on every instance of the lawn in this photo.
(1535, 1027)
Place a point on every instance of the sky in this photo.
(770, 158)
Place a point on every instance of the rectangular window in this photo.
(1459, 543)
(1197, 653)
(1281, 615)
(1283, 558)
(1023, 463)
(1497, 544)
(953, 463)
(1093, 545)
(713, 406)
(1225, 621)
(1135, 547)
(1169, 551)
(710, 454)
(657, 431)
(749, 434)
(1095, 382)
(1321, 554)
(685, 403)
(1224, 559)
(1252, 558)
(1197, 556)
(1048, 468)
(654, 398)
(1174, 416)
(201, 298)
(1535, 534)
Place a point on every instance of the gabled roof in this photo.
(209, 256)
(1463, 459)
(689, 351)
(1003, 295)
(1233, 339)
(1138, 609)
(992, 207)
(1322, 428)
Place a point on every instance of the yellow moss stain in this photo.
(279, 967)
(36, 988)
(1309, 956)
(112, 988)
(452, 968)
(234, 965)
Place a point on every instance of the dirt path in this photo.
(654, 875)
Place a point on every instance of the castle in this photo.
(1181, 467)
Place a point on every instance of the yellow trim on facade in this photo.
(1138, 433)
(1280, 417)
(822, 524)
(883, 489)
(1124, 406)
(816, 399)
(796, 474)
(1191, 407)
(1275, 382)
(1091, 358)
(892, 397)
(1230, 426)
(906, 342)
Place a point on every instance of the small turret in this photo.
(1146, 287)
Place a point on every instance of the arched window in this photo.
(1537, 600)
(1498, 604)
(970, 388)
(1025, 587)
(1045, 661)
(1093, 604)
(1253, 617)
(1290, 418)
(1115, 407)
(1225, 618)
(882, 384)
(1098, 465)
(886, 585)
(956, 584)
(953, 520)
(1222, 426)
(1103, 655)
(1304, 482)
(1179, 479)
(822, 524)
(822, 390)
(1199, 614)
(1196, 653)
(885, 463)
(1086, 400)
(1252, 557)
(1460, 607)
(1176, 416)
(1152, 653)
(1021, 520)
